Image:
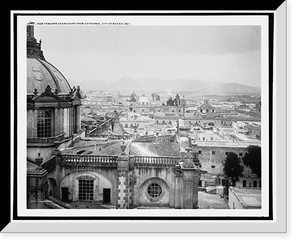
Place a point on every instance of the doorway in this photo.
(106, 196)
(65, 194)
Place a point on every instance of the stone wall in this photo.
(128, 178)
(148, 175)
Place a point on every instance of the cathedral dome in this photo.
(143, 101)
(41, 73)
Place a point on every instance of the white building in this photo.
(244, 198)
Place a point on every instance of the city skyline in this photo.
(229, 54)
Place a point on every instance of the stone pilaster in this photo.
(132, 181)
(178, 185)
(188, 185)
(189, 180)
(123, 182)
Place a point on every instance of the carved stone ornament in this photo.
(132, 178)
(188, 164)
(177, 170)
(48, 91)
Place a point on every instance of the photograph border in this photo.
(271, 24)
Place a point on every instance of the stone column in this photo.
(66, 122)
(34, 123)
(56, 122)
(61, 121)
(29, 123)
(78, 118)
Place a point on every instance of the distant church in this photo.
(62, 173)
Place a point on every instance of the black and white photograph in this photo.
(144, 117)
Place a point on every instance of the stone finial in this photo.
(35, 91)
(39, 159)
(132, 178)
(177, 170)
(123, 147)
(48, 90)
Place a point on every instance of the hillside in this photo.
(127, 85)
(151, 84)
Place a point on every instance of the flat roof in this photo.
(233, 144)
(249, 198)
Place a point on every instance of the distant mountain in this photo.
(89, 85)
(232, 88)
(128, 85)
(125, 84)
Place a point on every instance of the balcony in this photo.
(89, 160)
(158, 161)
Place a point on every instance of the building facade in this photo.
(212, 156)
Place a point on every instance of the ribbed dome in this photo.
(41, 73)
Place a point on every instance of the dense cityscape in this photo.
(115, 149)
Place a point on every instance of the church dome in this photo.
(41, 73)
(143, 101)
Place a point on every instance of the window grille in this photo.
(154, 190)
(44, 119)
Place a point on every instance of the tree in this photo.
(232, 170)
(252, 159)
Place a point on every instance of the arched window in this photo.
(44, 123)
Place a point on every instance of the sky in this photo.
(212, 53)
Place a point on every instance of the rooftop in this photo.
(236, 144)
(249, 198)
(161, 148)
